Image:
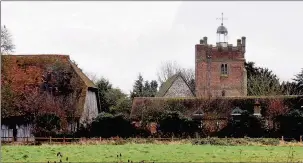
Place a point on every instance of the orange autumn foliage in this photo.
(22, 79)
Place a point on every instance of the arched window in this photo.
(224, 69)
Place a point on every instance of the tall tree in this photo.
(103, 88)
(153, 87)
(7, 45)
(261, 81)
(112, 99)
(295, 87)
(299, 78)
(143, 88)
(138, 87)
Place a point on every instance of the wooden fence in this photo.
(51, 140)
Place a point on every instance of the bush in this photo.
(107, 125)
(291, 124)
(236, 141)
(173, 123)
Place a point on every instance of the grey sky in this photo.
(118, 40)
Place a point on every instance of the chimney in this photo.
(201, 41)
(243, 43)
(238, 42)
(257, 108)
(205, 40)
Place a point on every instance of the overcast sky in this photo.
(119, 40)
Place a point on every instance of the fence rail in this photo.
(67, 140)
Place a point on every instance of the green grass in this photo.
(151, 152)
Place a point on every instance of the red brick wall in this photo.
(234, 83)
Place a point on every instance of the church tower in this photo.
(219, 69)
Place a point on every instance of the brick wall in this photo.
(234, 83)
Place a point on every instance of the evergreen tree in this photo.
(148, 89)
(299, 78)
(138, 87)
(153, 87)
(261, 81)
(7, 45)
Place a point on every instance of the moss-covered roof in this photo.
(84, 78)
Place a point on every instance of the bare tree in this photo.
(167, 70)
(7, 45)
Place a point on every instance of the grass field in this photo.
(151, 152)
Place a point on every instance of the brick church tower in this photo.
(219, 70)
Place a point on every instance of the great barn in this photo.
(52, 86)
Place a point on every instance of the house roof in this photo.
(168, 83)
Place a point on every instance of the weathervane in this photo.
(222, 19)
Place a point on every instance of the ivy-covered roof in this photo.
(48, 59)
(28, 70)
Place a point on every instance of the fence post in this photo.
(50, 139)
(282, 138)
(64, 140)
(300, 138)
(26, 140)
(100, 139)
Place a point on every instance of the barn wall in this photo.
(23, 132)
(6, 132)
(90, 108)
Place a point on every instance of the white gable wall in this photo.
(179, 89)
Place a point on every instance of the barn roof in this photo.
(84, 78)
(168, 83)
(58, 57)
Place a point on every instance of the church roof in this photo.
(168, 83)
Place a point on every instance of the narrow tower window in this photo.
(223, 69)
(223, 93)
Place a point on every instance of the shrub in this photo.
(108, 125)
(235, 141)
(173, 123)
